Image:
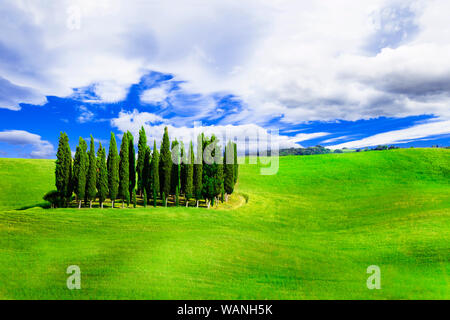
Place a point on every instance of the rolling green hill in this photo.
(309, 232)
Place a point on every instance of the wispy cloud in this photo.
(400, 136)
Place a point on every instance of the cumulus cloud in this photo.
(419, 131)
(251, 136)
(41, 148)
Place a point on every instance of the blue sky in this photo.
(334, 73)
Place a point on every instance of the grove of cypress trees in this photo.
(228, 169)
(102, 181)
(165, 166)
(124, 171)
(91, 183)
(132, 162)
(198, 170)
(113, 170)
(142, 147)
(63, 170)
(80, 167)
(189, 175)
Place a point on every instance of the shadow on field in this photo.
(44, 205)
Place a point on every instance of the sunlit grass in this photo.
(308, 232)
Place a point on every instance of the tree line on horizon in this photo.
(171, 172)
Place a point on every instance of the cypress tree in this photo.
(145, 198)
(228, 169)
(113, 170)
(175, 175)
(132, 163)
(236, 166)
(154, 173)
(146, 170)
(142, 147)
(165, 166)
(134, 198)
(91, 183)
(80, 168)
(102, 181)
(198, 170)
(124, 171)
(210, 172)
(219, 176)
(189, 175)
(63, 170)
(183, 168)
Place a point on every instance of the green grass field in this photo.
(309, 232)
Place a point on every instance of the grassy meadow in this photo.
(308, 232)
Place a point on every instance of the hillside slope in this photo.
(309, 232)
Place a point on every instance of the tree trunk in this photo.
(102, 205)
(167, 199)
(123, 204)
(197, 203)
(90, 204)
(187, 203)
(226, 197)
(112, 204)
(208, 203)
(79, 204)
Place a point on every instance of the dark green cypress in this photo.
(228, 169)
(132, 162)
(63, 170)
(219, 175)
(134, 198)
(154, 173)
(177, 196)
(113, 170)
(142, 147)
(210, 171)
(175, 175)
(145, 198)
(189, 175)
(102, 181)
(198, 170)
(146, 170)
(165, 166)
(80, 168)
(124, 171)
(236, 165)
(91, 183)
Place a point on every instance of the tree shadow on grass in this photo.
(43, 205)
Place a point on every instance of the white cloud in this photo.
(249, 134)
(41, 148)
(155, 95)
(86, 115)
(308, 136)
(433, 128)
